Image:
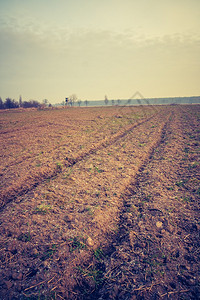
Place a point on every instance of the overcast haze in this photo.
(51, 49)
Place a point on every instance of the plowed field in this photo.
(100, 203)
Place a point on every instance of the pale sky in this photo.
(54, 48)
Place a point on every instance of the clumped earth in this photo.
(100, 203)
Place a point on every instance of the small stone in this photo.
(45, 264)
(140, 224)
(90, 242)
(35, 252)
(159, 224)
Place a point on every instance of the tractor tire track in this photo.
(155, 253)
(31, 181)
(73, 260)
(102, 238)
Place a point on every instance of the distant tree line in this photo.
(12, 103)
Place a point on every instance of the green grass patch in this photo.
(42, 209)
(77, 244)
(24, 237)
(49, 252)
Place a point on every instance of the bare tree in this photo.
(72, 99)
(45, 102)
(86, 102)
(20, 101)
(106, 100)
(79, 102)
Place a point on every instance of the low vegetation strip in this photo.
(84, 231)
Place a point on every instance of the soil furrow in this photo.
(31, 181)
(117, 223)
(92, 218)
(155, 254)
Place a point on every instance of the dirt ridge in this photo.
(119, 223)
(141, 250)
(31, 182)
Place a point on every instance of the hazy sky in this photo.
(54, 48)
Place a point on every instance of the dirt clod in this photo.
(159, 224)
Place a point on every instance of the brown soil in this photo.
(100, 203)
